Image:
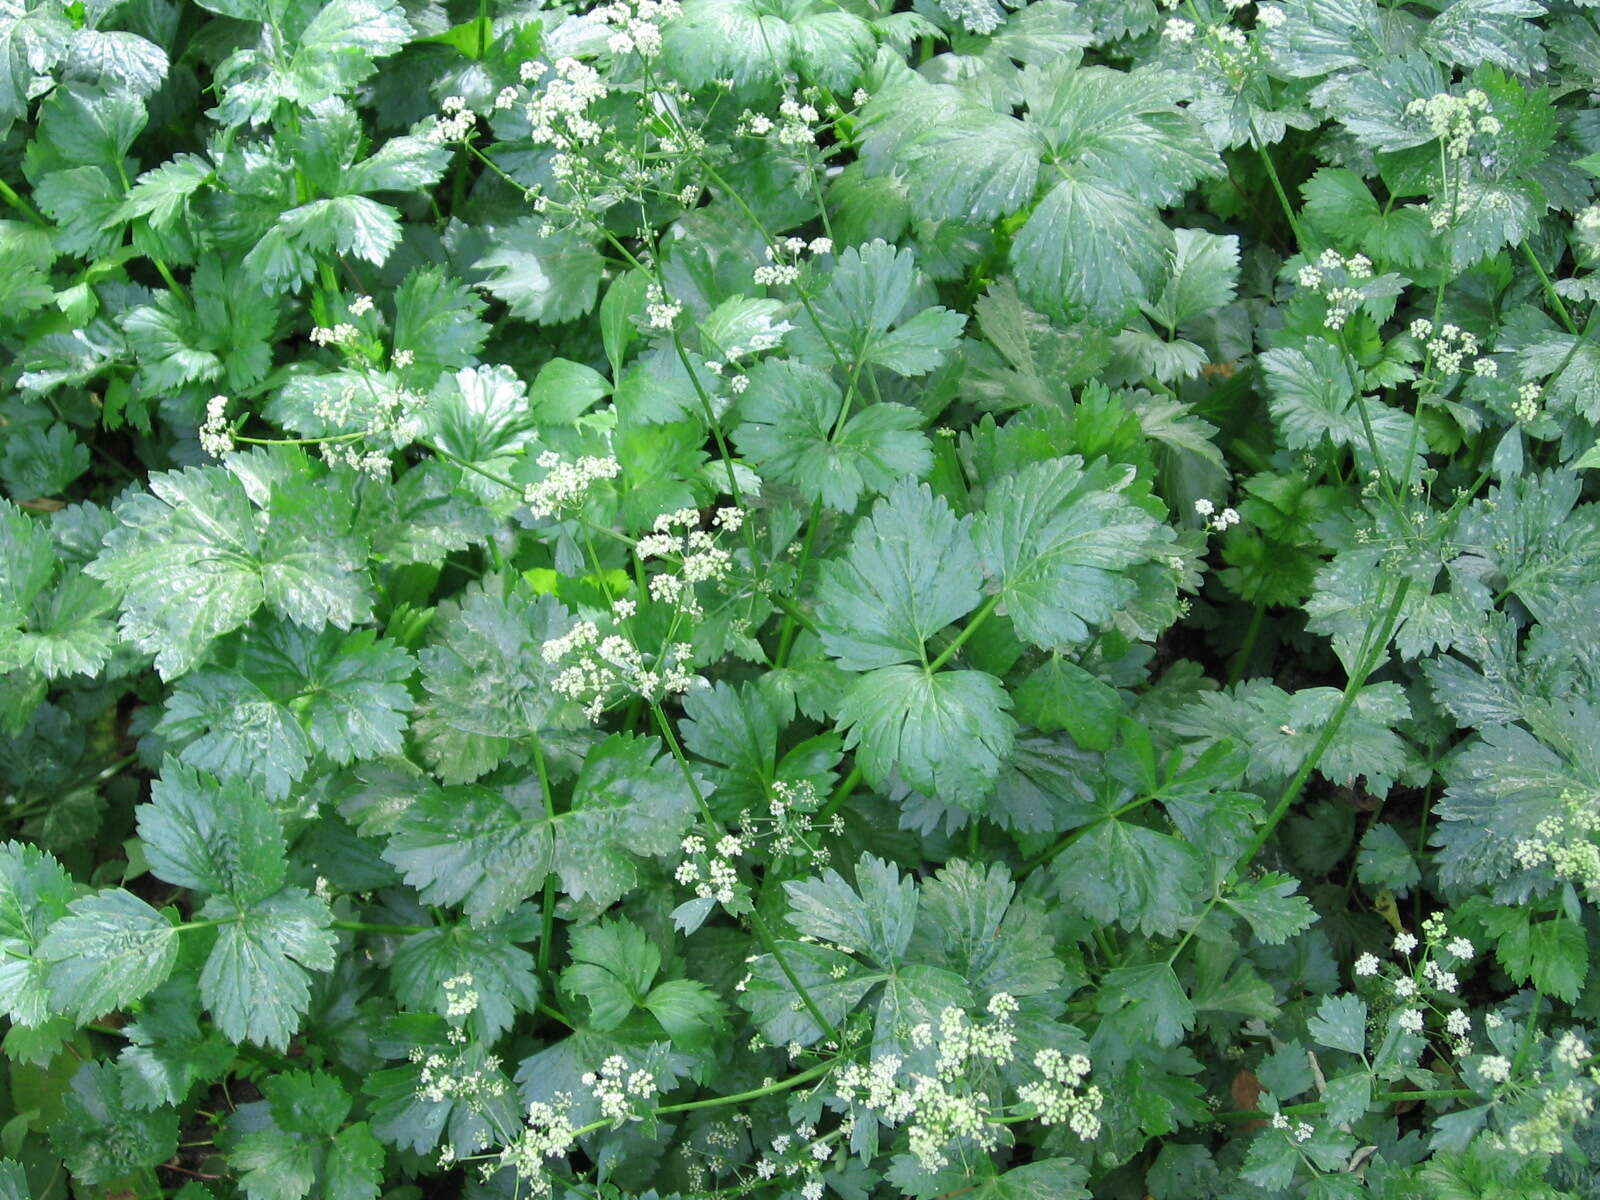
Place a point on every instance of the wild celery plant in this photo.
(787, 598)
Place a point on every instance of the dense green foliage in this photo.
(794, 598)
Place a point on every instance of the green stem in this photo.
(1366, 662)
(840, 794)
(10, 196)
(1549, 289)
(783, 1085)
(1255, 1114)
(1242, 659)
(370, 927)
(548, 915)
(967, 630)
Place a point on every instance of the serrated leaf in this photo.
(1314, 395)
(872, 288)
(946, 733)
(436, 321)
(876, 917)
(1147, 1001)
(1091, 247)
(613, 966)
(539, 278)
(34, 893)
(212, 836)
(1271, 909)
(1205, 272)
(1060, 539)
(101, 1138)
(1340, 1023)
(501, 972)
(1385, 860)
(1122, 871)
(255, 980)
(192, 561)
(107, 952)
(911, 570)
(490, 848)
(790, 413)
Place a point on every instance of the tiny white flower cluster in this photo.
(1299, 1131)
(637, 26)
(1450, 346)
(1563, 844)
(799, 1154)
(1526, 406)
(945, 1109)
(1560, 1109)
(342, 334)
(1060, 1097)
(796, 123)
(455, 122)
(660, 312)
(1572, 1051)
(1455, 119)
(599, 665)
(559, 111)
(216, 439)
(1430, 977)
(1178, 30)
(783, 260)
(1330, 277)
(713, 875)
(566, 486)
(619, 1088)
(549, 1134)
(460, 999)
(790, 826)
(1216, 521)
(1270, 16)
(461, 1078)
(700, 559)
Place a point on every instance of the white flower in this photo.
(1410, 1020)
(1405, 942)
(1458, 1023)
(1494, 1068)
(1367, 964)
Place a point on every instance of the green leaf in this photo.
(212, 836)
(162, 193)
(1385, 860)
(872, 289)
(911, 570)
(1340, 1023)
(875, 918)
(688, 1010)
(945, 733)
(354, 1168)
(1122, 871)
(486, 680)
(1060, 540)
(1059, 695)
(255, 981)
(961, 160)
(501, 971)
(542, 279)
(1553, 955)
(749, 43)
(789, 416)
(1147, 1002)
(1314, 395)
(1271, 909)
(490, 848)
(968, 916)
(193, 559)
(224, 723)
(613, 965)
(109, 951)
(42, 460)
(101, 1138)
(834, 981)
(436, 320)
(1205, 273)
(167, 1051)
(1091, 247)
(34, 893)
